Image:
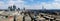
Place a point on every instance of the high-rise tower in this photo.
(14, 7)
(43, 8)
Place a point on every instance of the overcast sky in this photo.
(31, 4)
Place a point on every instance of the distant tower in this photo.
(18, 9)
(43, 8)
(14, 7)
(10, 8)
(23, 8)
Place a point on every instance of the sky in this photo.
(30, 4)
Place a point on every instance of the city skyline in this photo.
(30, 4)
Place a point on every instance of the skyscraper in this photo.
(18, 9)
(10, 8)
(14, 7)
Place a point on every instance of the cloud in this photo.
(15, 2)
(33, 7)
(21, 4)
(4, 5)
(54, 5)
(56, 0)
(1, 3)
